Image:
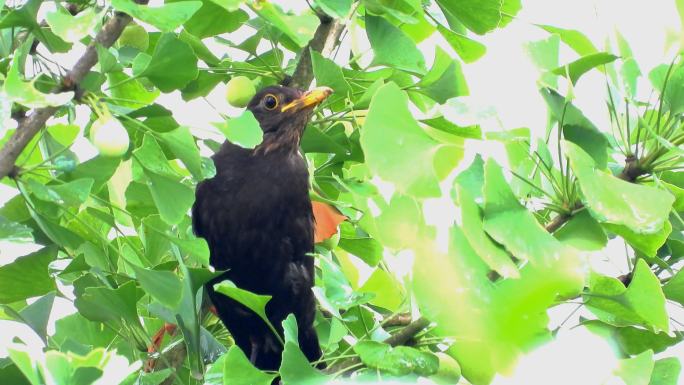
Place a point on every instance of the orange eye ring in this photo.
(270, 102)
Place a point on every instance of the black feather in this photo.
(256, 216)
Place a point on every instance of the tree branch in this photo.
(326, 36)
(33, 123)
(399, 338)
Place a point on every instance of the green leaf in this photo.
(300, 29)
(579, 67)
(173, 64)
(25, 93)
(643, 209)
(582, 232)
(445, 79)
(27, 16)
(182, 144)
(255, 302)
(295, 368)
(172, 198)
(396, 148)
(398, 361)
(467, 49)
(102, 304)
(573, 38)
(544, 55)
(335, 8)
(666, 371)
(674, 288)
(473, 229)
(27, 276)
(392, 47)
(72, 193)
(577, 128)
(674, 93)
(73, 28)
(314, 140)
(512, 225)
(151, 157)
(481, 16)
(229, 5)
(636, 370)
(389, 294)
(36, 315)
(202, 86)
(642, 303)
(368, 250)
(64, 134)
(243, 130)
(328, 73)
(129, 92)
(164, 286)
(237, 370)
(167, 17)
(14, 232)
(632, 340)
(646, 243)
(212, 20)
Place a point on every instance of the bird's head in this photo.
(282, 113)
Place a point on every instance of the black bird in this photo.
(256, 216)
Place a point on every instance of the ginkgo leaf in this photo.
(327, 219)
(26, 94)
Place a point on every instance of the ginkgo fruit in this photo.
(239, 91)
(135, 36)
(109, 136)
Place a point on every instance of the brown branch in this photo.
(399, 338)
(325, 38)
(30, 125)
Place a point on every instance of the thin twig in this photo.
(33, 123)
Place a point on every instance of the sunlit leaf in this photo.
(299, 28)
(467, 49)
(641, 303)
(579, 67)
(26, 94)
(390, 135)
(674, 288)
(243, 130)
(444, 80)
(574, 39)
(577, 128)
(666, 371)
(392, 47)
(481, 16)
(643, 209)
(636, 370)
(167, 17)
(473, 229)
(73, 28)
(399, 361)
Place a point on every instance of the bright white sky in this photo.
(505, 80)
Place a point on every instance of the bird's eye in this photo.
(270, 102)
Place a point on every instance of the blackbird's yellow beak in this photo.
(310, 99)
